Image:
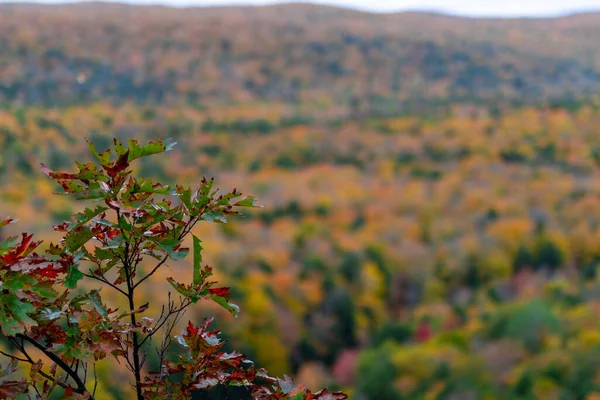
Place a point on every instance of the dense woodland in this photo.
(431, 220)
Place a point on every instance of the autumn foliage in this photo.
(431, 219)
(60, 327)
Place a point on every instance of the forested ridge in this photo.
(65, 54)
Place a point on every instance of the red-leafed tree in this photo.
(134, 221)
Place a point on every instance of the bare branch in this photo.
(95, 381)
(152, 272)
(184, 303)
(102, 279)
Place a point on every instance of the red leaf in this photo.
(112, 234)
(62, 227)
(49, 272)
(21, 251)
(118, 166)
(191, 329)
(69, 391)
(57, 175)
(142, 308)
(222, 292)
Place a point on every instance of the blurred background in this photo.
(431, 181)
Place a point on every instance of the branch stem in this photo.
(81, 389)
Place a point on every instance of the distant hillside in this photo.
(64, 54)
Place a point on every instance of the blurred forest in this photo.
(431, 184)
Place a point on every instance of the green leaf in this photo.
(248, 201)
(86, 216)
(19, 282)
(136, 151)
(104, 158)
(180, 288)
(8, 243)
(70, 187)
(147, 186)
(169, 245)
(103, 254)
(214, 217)
(77, 238)
(123, 224)
(119, 147)
(71, 351)
(8, 325)
(45, 290)
(185, 194)
(94, 297)
(89, 171)
(14, 315)
(197, 280)
(206, 186)
(114, 243)
(106, 223)
(232, 308)
(74, 275)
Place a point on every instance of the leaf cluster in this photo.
(51, 301)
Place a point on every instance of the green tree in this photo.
(523, 259)
(549, 255)
(376, 374)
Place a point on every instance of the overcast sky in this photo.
(463, 7)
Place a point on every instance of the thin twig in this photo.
(106, 281)
(172, 311)
(84, 366)
(95, 381)
(152, 272)
(13, 356)
(36, 389)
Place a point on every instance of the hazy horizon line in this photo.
(233, 4)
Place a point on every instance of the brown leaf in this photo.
(12, 389)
